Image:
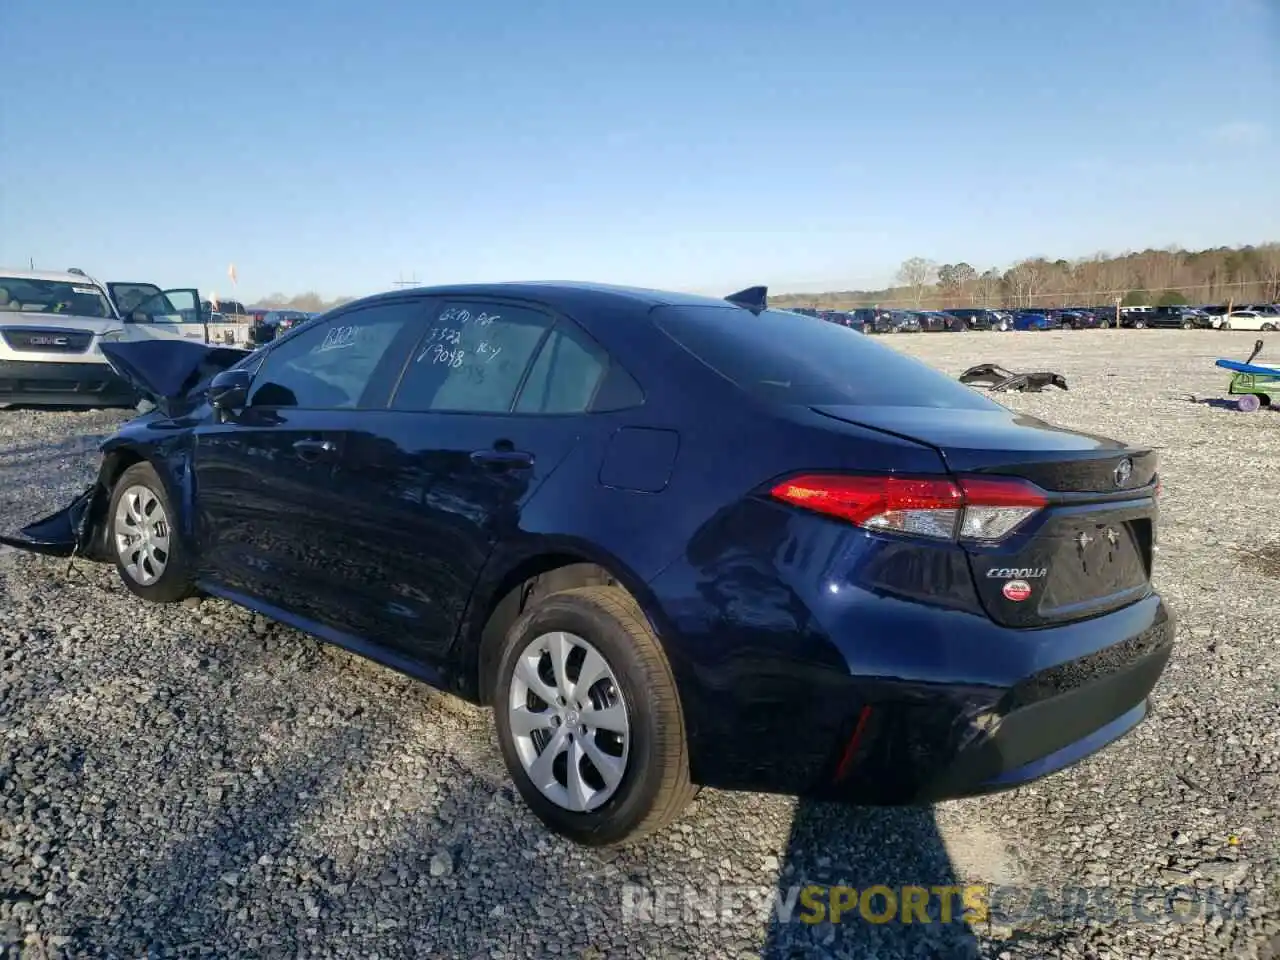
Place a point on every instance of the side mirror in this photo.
(229, 390)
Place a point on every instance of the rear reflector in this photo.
(972, 508)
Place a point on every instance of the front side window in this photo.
(335, 364)
(472, 359)
(53, 297)
(128, 295)
(170, 306)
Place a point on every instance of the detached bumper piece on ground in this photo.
(541, 497)
(999, 380)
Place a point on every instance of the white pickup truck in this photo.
(52, 325)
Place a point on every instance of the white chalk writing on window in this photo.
(337, 338)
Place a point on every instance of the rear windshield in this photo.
(59, 297)
(789, 358)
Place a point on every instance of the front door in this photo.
(269, 518)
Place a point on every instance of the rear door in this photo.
(492, 401)
(1087, 551)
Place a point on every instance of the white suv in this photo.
(52, 325)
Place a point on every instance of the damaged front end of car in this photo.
(174, 375)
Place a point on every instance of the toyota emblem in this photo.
(1124, 470)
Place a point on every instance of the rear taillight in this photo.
(970, 508)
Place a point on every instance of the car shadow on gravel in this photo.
(884, 870)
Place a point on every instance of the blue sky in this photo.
(700, 145)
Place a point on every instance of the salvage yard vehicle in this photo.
(1035, 320)
(1250, 320)
(1185, 318)
(983, 319)
(670, 540)
(52, 326)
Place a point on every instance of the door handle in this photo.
(313, 450)
(502, 459)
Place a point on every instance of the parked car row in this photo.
(875, 320)
(1261, 316)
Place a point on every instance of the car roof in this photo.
(561, 295)
(60, 276)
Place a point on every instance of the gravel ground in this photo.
(197, 781)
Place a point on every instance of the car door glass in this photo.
(170, 306)
(332, 365)
(472, 358)
(565, 375)
(128, 296)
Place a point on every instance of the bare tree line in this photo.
(1248, 274)
(310, 302)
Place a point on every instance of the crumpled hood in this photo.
(169, 369)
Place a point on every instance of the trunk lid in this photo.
(1088, 552)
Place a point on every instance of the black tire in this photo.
(1268, 327)
(1187, 325)
(1139, 324)
(1104, 324)
(175, 582)
(655, 785)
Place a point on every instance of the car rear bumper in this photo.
(1054, 719)
(908, 703)
(63, 384)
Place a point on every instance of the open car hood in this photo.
(165, 371)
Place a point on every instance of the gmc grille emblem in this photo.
(47, 341)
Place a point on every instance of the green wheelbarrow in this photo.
(1254, 384)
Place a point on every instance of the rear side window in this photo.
(472, 359)
(787, 358)
(566, 375)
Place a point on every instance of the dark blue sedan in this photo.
(672, 541)
(1036, 320)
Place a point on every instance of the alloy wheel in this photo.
(569, 721)
(141, 530)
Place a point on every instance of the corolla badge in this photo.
(1017, 573)
(1123, 471)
